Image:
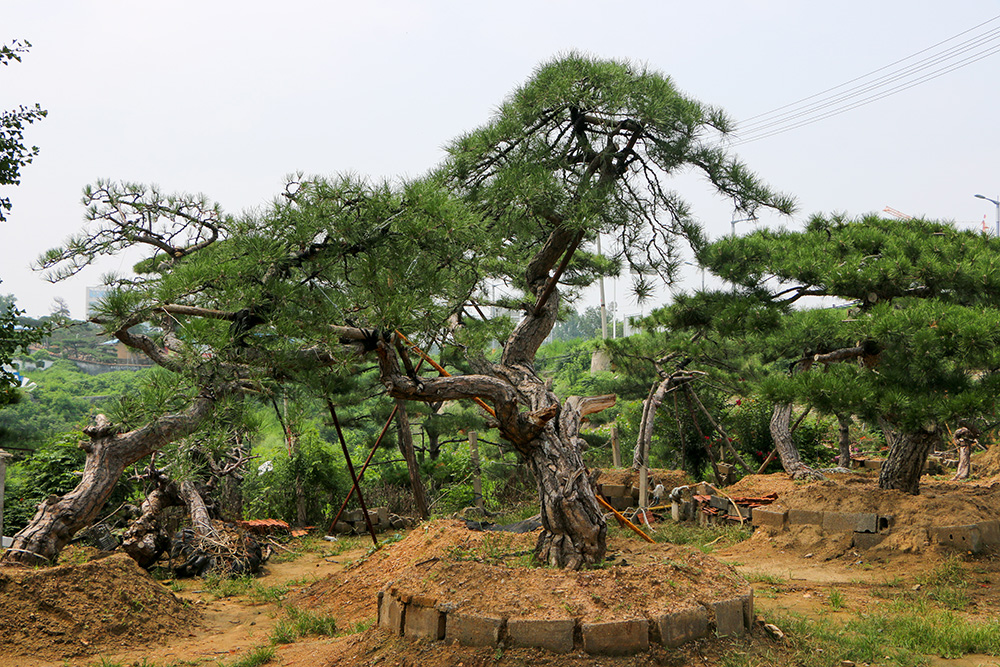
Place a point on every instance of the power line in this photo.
(798, 114)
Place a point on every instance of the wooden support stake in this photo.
(616, 450)
(3, 481)
(621, 518)
(350, 467)
(477, 482)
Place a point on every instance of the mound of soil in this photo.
(939, 503)
(628, 477)
(485, 572)
(93, 607)
(987, 464)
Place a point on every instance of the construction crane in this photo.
(896, 214)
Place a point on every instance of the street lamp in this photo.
(734, 221)
(997, 204)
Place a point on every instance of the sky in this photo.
(226, 98)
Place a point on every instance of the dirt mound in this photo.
(486, 572)
(987, 464)
(71, 610)
(628, 477)
(939, 503)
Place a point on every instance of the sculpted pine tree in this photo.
(340, 269)
(916, 349)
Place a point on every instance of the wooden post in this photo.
(616, 450)
(3, 481)
(477, 482)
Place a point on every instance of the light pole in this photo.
(997, 204)
(734, 221)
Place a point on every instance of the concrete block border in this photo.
(419, 617)
(871, 529)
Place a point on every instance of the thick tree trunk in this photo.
(781, 433)
(144, 541)
(640, 457)
(844, 431)
(573, 528)
(406, 449)
(108, 454)
(905, 464)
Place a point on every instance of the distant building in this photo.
(94, 295)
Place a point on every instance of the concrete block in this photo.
(762, 516)
(867, 540)
(616, 637)
(989, 532)
(620, 503)
(966, 538)
(845, 522)
(353, 515)
(470, 630)
(748, 610)
(610, 491)
(729, 617)
(797, 517)
(873, 464)
(392, 614)
(425, 622)
(682, 626)
(720, 503)
(551, 635)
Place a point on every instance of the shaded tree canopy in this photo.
(914, 346)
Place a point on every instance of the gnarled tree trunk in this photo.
(108, 454)
(412, 467)
(907, 455)
(144, 541)
(844, 440)
(781, 433)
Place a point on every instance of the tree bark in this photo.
(905, 463)
(108, 454)
(781, 433)
(143, 540)
(406, 448)
(844, 439)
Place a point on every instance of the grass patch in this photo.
(706, 539)
(899, 635)
(258, 656)
(836, 599)
(762, 578)
(302, 623)
(245, 586)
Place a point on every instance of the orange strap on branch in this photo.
(440, 369)
(621, 517)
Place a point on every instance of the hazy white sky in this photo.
(226, 98)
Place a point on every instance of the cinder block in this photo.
(729, 617)
(966, 538)
(797, 517)
(426, 622)
(989, 532)
(682, 626)
(551, 635)
(392, 614)
(873, 464)
(762, 516)
(844, 522)
(748, 610)
(867, 540)
(610, 491)
(620, 503)
(720, 503)
(469, 630)
(616, 637)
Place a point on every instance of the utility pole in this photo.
(996, 202)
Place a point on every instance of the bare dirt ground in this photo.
(111, 612)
